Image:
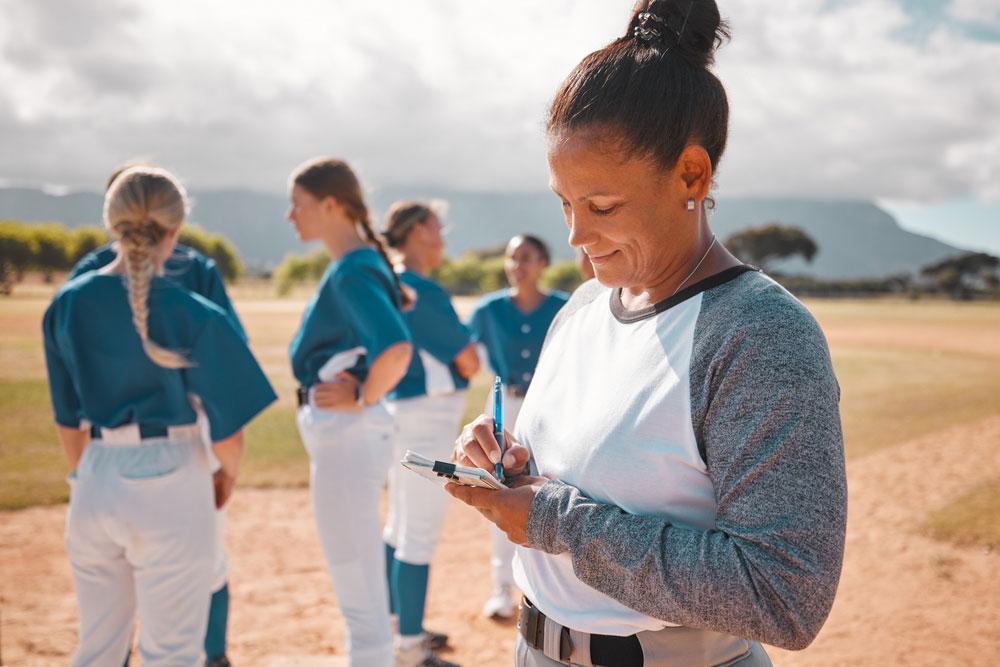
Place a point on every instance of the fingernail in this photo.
(494, 457)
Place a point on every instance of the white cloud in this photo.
(826, 101)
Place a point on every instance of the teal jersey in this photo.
(438, 337)
(352, 319)
(185, 266)
(99, 372)
(513, 339)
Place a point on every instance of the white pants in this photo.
(428, 425)
(349, 454)
(502, 553)
(139, 535)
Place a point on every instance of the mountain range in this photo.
(856, 239)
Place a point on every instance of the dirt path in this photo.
(904, 599)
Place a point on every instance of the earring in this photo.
(690, 203)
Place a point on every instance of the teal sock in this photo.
(390, 560)
(410, 585)
(218, 619)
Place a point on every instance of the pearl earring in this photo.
(690, 203)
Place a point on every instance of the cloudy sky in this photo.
(894, 100)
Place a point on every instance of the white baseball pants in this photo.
(140, 537)
(428, 425)
(349, 453)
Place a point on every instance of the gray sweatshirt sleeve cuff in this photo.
(551, 501)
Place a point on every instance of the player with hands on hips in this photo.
(140, 526)
(351, 348)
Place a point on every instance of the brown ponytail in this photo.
(328, 177)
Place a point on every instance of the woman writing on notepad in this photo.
(683, 421)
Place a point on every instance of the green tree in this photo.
(299, 270)
(85, 240)
(965, 274)
(563, 275)
(215, 246)
(761, 245)
(17, 253)
(53, 249)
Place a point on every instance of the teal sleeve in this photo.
(65, 401)
(477, 324)
(215, 291)
(227, 378)
(373, 313)
(88, 263)
(448, 336)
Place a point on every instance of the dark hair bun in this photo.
(691, 29)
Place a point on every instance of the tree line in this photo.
(964, 276)
(53, 248)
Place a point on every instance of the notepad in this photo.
(443, 472)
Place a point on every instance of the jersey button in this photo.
(525, 328)
(526, 377)
(525, 354)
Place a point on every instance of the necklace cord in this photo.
(698, 265)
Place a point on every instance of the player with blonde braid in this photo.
(126, 349)
(197, 274)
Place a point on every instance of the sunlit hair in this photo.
(142, 204)
(328, 177)
(404, 215)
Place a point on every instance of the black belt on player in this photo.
(605, 650)
(302, 396)
(146, 431)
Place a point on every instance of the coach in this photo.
(687, 497)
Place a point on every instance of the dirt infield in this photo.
(904, 598)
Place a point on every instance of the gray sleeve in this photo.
(765, 411)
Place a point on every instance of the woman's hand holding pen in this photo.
(507, 508)
(340, 395)
(476, 446)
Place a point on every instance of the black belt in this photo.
(146, 431)
(302, 396)
(605, 650)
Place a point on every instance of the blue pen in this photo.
(498, 424)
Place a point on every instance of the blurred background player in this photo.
(140, 532)
(511, 324)
(351, 349)
(198, 274)
(428, 405)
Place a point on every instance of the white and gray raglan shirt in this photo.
(697, 465)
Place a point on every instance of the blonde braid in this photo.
(142, 205)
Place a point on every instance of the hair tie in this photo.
(648, 31)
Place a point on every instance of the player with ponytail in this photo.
(351, 349)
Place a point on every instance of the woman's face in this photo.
(307, 214)
(523, 263)
(626, 214)
(427, 238)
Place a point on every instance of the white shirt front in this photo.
(609, 412)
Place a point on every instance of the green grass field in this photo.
(905, 369)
